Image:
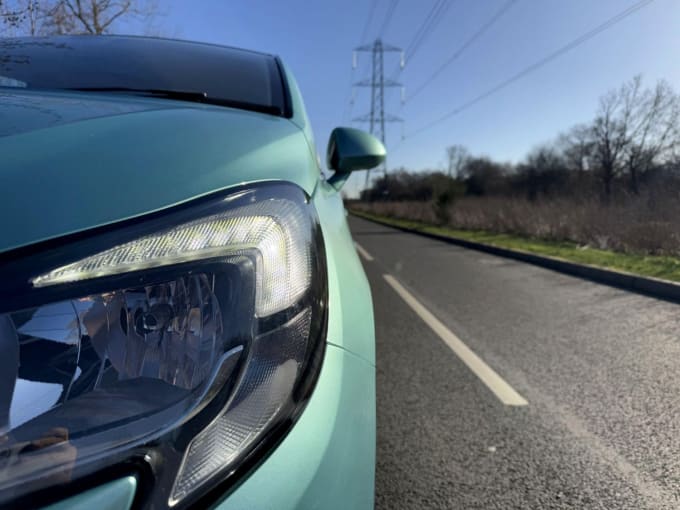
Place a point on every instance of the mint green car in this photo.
(184, 320)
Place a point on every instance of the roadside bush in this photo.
(442, 206)
(633, 224)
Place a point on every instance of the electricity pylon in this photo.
(377, 116)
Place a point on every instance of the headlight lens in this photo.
(189, 346)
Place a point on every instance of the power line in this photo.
(371, 12)
(432, 19)
(540, 63)
(349, 98)
(388, 17)
(506, 6)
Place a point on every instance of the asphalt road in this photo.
(598, 367)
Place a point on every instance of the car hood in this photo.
(70, 162)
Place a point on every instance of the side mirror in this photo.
(351, 149)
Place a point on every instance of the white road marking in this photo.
(488, 376)
(363, 252)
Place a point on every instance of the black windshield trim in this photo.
(285, 87)
(183, 95)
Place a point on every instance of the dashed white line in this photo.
(363, 252)
(486, 374)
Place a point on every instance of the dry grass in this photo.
(636, 225)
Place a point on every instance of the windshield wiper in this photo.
(186, 95)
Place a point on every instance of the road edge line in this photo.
(367, 256)
(498, 386)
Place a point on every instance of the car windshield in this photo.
(215, 74)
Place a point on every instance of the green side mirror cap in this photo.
(351, 149)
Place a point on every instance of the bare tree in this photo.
(543, 172)
(59, 21)
(457, 156)
(610, 137)
(483, 176)
(98, 16)
(39, 17)
(653, 131)
(30, 17)
(14, 14)
(576, 146)
(634, 130)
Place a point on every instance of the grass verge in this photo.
(663, 267)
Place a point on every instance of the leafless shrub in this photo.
(407, 210)
(633, 225)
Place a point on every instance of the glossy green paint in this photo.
(28, 110)
(116, 495)
(96, 171)
(299, 118)
(351, 149)
(349, 300)
(327, 461)
(90, 171)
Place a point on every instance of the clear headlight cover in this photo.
(180, 347)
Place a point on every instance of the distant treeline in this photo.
(613, 183)
(632, 145)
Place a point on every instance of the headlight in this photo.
(181, 346)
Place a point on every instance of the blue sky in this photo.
(316, 40)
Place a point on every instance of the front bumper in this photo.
(326, 461)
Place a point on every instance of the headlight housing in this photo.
(181, 346)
